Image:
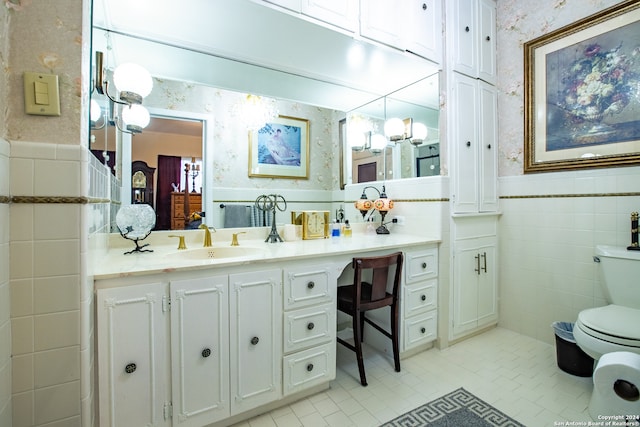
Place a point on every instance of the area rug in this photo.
(458, 408)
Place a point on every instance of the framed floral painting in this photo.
(582, 93)
(280, 149)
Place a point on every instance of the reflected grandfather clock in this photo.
(142, 183)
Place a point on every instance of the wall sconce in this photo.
(95, 114)
(419, 132)
(132, 83)
(397, 129)
(382, 204)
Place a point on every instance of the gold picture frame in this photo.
(580, 109)
(280, 149)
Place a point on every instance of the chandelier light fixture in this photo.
(255, 111)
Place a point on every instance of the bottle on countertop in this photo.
(371, 229)
(346, 229)
(335, 229)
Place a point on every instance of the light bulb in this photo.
(419, 131)
(135, 117)
(378, 143)
(95, 112)
(357, 140)
(133, 82)
(394, 129)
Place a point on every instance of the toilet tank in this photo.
(621, 275)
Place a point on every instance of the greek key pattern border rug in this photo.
(458, 408)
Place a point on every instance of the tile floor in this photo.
(515, 373)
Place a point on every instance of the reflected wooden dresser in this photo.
(177, 208)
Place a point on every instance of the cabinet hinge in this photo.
(168, 410)
(166, 304)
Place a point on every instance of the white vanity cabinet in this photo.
(309, 326)
(475, 282)
(255, 322)
(471, 38)
(133, 363)
(474, 144)
(412, 25)
(419, 300)
(200, 350)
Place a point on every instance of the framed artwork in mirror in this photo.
(280, 149)
(582, 85)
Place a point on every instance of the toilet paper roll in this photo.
(616, 381)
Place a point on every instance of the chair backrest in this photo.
(380, 267)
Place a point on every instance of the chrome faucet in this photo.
(207, 235)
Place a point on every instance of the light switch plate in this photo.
(41, 94)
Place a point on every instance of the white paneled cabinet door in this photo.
(256, 338)
(474, 147)
(133, 371)
(341, 13)
(200, 350)
(379, 21)
(466, 145)
(424, 30)
(474, 287)
(487, 41)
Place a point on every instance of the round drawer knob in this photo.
(467, 29)
(130, 368)
(488, 38)
(424, 6)
(310, 326)
(206, 352)
(311, 285)
(310, 367)
(424, 265)
(255, 340)
(468, 143)
(423, 330)
(423, 297)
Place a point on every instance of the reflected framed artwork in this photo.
(582, 93)
(280, 149)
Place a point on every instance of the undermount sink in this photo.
(217, 252)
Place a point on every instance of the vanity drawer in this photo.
(420, 330)
(420, 297)
(308, 368)
(421, 265)
(308, 327)
(309, 285)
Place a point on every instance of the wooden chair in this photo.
(362, 296)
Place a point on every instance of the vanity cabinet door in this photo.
(133, 371)
(424, 29)
(379, 21)
(341, 13)
(200, 350)
(255, 314)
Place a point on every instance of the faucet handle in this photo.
(181, 244)
(234, 238)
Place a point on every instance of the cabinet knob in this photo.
(130, 368)
(206, 352)
(311, 285)
(310, 367)
(489, 146)
(488, 38)
(424, 6)
(423, 330)
(467, 29)
(310, 326)
(423, 297)
(424, 265)
(468, 143)
(255, 340)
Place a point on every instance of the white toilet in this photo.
(614, 331)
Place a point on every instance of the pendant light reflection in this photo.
(255, 111)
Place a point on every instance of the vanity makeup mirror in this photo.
(207, 48)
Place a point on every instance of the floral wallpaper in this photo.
(231, 135)
(56, 52)
(518, 22)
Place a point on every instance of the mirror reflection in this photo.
(207, 69)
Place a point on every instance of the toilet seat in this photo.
(612, 323)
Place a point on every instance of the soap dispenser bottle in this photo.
(346, 229)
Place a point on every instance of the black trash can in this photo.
(570, 357)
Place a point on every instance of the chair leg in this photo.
(362, 326)
(357, 338)
(394, 336)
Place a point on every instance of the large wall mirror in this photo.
(206, 58)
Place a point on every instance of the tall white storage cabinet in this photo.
(473, 144)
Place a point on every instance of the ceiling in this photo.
(246, 46)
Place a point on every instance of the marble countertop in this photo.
(167, 258)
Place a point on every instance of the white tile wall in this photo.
(547, 243)
(5, 298)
